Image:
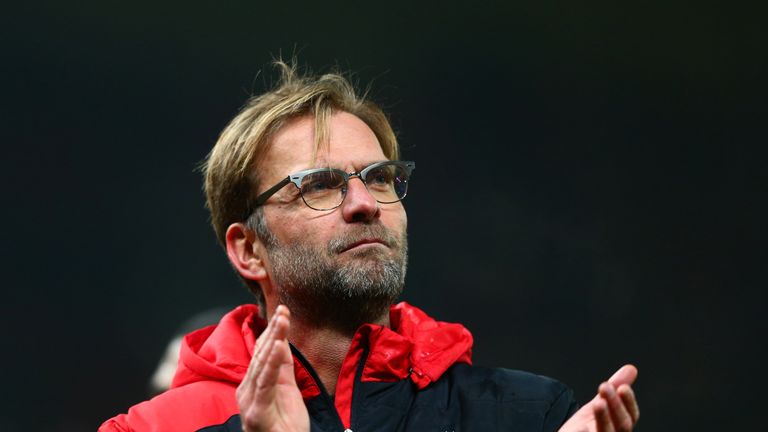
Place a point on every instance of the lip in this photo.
(363, 243)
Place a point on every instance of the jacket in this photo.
(416, 376)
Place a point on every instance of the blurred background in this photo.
(590, 191)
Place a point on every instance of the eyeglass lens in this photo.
(326, 189)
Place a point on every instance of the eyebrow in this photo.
(362, 166)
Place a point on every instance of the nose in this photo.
(359, 205)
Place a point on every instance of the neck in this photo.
(325, 347)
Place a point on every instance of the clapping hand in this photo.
(613, 409)
(268, 396)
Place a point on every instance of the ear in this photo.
(246, 252)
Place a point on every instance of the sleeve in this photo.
(115, 424)
(183, 409)
(561, 410)
(232, 424)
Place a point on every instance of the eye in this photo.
(380, 177)
(320, 182)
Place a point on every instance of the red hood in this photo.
(220, 352)
(415, 343)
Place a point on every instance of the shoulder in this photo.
(511, 397)
(187, 408)
(507, 384)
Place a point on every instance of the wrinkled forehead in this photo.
(341, 141)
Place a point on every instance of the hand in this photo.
(614, 409)
(268, 397)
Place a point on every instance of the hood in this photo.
(415, 345)
(220, 352)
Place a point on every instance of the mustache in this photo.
(361, 233)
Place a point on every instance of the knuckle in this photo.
(251, 418)
(261, 385)
(626, 426)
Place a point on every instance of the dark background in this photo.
(590, 187)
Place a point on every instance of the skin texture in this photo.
(352, 146)
(268, 397)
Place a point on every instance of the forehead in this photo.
(351, 145)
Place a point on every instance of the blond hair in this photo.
(231, 168)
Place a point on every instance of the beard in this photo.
(326, 289)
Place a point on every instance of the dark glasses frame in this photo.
(297, 178)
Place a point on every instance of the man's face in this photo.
(340, 267)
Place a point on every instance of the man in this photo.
(305, 187)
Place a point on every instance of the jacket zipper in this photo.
(323, 392)
(356, 392)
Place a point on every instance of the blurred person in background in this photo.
(163, 375)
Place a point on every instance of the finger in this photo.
(602, 417)
(621, 419)
(261, 344)
(269, 375)
(265, 350)
(248, 385)
(627, 374)
(627, 396)
(286, 355)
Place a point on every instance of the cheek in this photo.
(395, 218)
(300, 229)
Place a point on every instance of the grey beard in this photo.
(343, 296)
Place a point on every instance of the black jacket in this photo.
(413, 376)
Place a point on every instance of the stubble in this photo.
(334, 287)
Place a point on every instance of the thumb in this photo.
(627, 374)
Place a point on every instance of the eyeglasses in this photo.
(325, 188)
